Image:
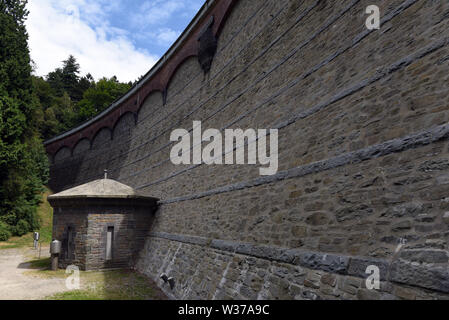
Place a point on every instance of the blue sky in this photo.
(108, 37)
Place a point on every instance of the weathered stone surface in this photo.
(359, 265)
(317, 219)
(404, 293)
(90, 226)
(351, 285)
(436, 278)
(325, 262)
(435, 165)
(404, 210)
(329, 279)
(401, 226)
(365, 294)
(446, 217)
(309, 295)
(82, 218)
(312, 280)
(425, 256)
(363, 158)
(299, 231)
(224, 245)
(351, 213)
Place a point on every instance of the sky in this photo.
(124, 38)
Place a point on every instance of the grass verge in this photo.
(99, 285)
(112, 285)
(45, 216)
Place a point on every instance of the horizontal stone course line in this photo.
(379, 75)
(254, 83)
(399, 271)
(228, 63)
(292, 53)
(341, 95)
(236, 97)
(157, 67)
(379, 150)
(180, 105)
(219, 53)
(201, 105)
(317, 67)
(156, 122)
(263, 6)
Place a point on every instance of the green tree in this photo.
(100, 96)
(58, 96)
(70, 78)
(23, 162)
(55, 80)
(67, 79)
(84, 84)
(66, 100)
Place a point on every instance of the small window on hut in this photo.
(109, 240)
(70, 243)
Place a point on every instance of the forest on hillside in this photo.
(33, 109)
(65, 99)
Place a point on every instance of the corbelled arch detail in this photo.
(186, 47)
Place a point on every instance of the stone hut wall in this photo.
(130, 225)
(90, 226)
(76, 219)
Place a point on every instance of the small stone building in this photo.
(102, 224)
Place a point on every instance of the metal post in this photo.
(54, 261)
(36, 238)
(55, 250)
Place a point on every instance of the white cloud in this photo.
(58, 28)
(157, 11)
(159, 21)
(166, 36)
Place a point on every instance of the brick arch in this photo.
(162, 79)
(79, 143)
(147, 90)
(145, 99)
(175, 71)
(125, 114)
(97, 132)
(60, 150)
(155, 80)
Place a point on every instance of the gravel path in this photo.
(15, 285)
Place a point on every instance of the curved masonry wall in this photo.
(363, 121)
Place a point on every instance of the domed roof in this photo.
(103, 188)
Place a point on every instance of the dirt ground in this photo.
(24, 275)
(15, 285)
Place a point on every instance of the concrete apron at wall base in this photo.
(220, 274)
(398, 270)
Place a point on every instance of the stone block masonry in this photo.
(363, 120)
(101, 224)
(89, 235)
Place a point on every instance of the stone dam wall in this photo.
(363, 119)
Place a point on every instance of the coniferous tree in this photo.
(23, 162)
(31, 107)
(55, 80)
(70, 78)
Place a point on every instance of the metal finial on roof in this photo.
(105, 173)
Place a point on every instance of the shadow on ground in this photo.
(98, 285)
